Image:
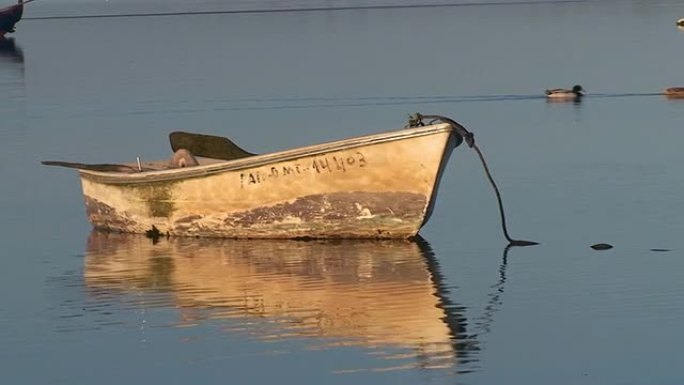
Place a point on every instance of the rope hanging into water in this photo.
(417, 120)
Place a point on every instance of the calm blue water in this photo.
(457, 308)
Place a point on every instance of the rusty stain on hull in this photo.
(103, 216)
(336, 206)
(337, 215)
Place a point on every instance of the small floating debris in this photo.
(602, 246)
(660, 250)
(680, 22)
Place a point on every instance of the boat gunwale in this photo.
(178, 174)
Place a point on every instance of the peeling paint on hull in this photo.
(380, 186)
(338, 215)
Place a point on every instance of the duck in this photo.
(560, 93)
(674, 92)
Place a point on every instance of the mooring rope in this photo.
(314, 9)
(469, 138)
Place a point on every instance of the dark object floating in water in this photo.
(680, 22)
(602, 246)
(660, 250)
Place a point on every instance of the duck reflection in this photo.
(576, 101)
(374, 294)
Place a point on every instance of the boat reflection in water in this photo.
(384, 296)
(10, 52)
(11, 66)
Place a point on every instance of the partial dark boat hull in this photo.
(9, 16)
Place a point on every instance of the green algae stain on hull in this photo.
(157, 196)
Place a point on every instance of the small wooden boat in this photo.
(564, 94)
(9, 16)
(375, 186)
(674, 92)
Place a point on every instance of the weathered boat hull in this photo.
(377, 186)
